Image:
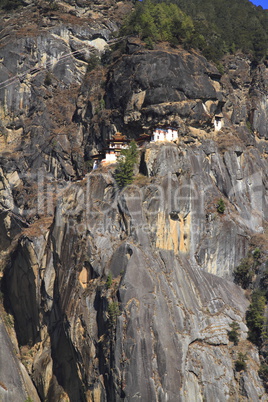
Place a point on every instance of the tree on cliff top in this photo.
(124, 172)
(215, 27)
(229, 25)
(159, 22)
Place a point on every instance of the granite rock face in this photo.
(125, 295)
(148, 93)
(45, 55)
(15, 381)
(154, 332)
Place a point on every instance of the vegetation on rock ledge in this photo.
(216, 27)
(256, 316)
(245, 271)
(220, 206)
(124, 173)
(154, 22)
(233, 334)
(240, 363)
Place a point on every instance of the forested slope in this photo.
(215, 27)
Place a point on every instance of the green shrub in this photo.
(256, 254)
(88, 165)
(93, 62)
(8, 320)
(220, 68)
(249, 125)
(233, 334)
(149, 43)
(263, 373)
(102, 104)
(255, 317)
(124, 173)
(29, 399)
(264, 281)
(48, 79)
(109, 281)
(220, 206)
(244, 272)
(113, 312)
(240, 363)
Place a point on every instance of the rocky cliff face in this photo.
(125, 295)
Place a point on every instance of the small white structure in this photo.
(218, 122)
(164, 134)
(110, 157)
(95, 164)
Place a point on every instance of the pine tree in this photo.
(124, 173)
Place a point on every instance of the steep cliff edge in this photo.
(126, 295)
(120, 316)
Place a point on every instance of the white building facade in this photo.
(218, 122)
(110, 157)
(116, 144)
(164, 134)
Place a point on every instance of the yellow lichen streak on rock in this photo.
(95, 395)
(167, 233)
(173, 234)
(43, 60)
(83, 278)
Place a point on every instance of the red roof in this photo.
(118, 137)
